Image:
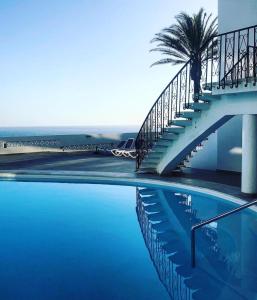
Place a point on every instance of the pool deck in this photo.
(82, 166)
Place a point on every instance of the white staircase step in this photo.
(147, 192)
(161, 227)
(175, 129)
(153, 162)
(147, 170)
(190, 114)
(209, 97)
(157, 217)
(154, 155)
(166, 236)
(146, 164)
(181, 196)
(181, 166)
(187, 159)
(182, 122)
(150, 200)
(199, 106)
(153, 208)
(152, 159)
(160, 147)
(207, 86)
(158, 152)
(164, 142)
(169, 136)
(177, 170)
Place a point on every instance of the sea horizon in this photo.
(15, 131)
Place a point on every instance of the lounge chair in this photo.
(109, 150)
(124, 148)
(128, 150)
(130, 153)
(121, 146)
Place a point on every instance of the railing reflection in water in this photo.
(166, 269)
(165, 218)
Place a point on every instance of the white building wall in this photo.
(206, 158)
(229, 141)
(223, 150)
(232, 15)
(236, 14)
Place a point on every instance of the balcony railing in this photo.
(229, 59)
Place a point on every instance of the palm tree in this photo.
(183, 41)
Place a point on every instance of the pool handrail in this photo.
(203, 223)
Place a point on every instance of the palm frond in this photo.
(183, 40)
(168, 61)
(170, 52)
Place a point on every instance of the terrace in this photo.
(92, 165)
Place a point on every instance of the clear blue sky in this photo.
(82, 62)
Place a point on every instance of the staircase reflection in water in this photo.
(160, 239)
(165, 219)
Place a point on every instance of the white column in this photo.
(249, 154)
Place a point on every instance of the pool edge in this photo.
(83, 177)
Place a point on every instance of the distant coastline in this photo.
(64, 130)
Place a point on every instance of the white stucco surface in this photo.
(229, 152)
(206, 158)
(227, 105)
(232, 15)
(236, 14)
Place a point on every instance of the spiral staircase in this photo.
(179, 122)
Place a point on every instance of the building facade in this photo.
(223, 151)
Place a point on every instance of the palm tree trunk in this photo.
(196, 74)
(197, 88)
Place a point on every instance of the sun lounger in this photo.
(124, 148)
(109, 149)
(129, 149)
(120, 147)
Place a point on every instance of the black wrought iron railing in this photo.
(242, 69)
(228, 59)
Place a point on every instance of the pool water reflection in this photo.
(226, 264)
(84, 241)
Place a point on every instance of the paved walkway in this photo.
(78, 161)
(91, 164)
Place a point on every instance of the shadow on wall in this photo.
(229, 156)
(223, 150)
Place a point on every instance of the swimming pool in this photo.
(85, 241)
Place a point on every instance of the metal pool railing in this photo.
(195, 227)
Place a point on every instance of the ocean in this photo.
(63, 130)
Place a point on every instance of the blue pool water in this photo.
(82, 241)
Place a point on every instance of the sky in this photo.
(83, 62)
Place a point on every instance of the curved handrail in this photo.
(219, 54)
(164, 90)
(164, 110)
